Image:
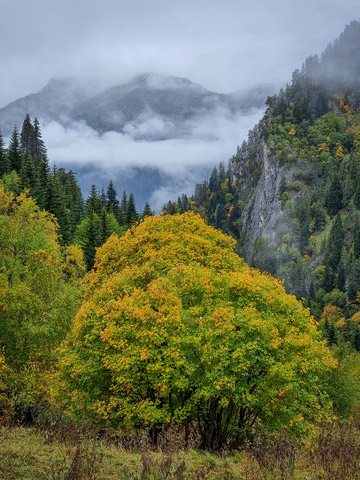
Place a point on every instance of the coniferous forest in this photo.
(220, 339)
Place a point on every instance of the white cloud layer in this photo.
(181, 162)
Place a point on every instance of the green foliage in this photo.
(176, 328)
(39, 293)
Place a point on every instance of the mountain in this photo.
(149, 107)
(290, 194)
(53, 102)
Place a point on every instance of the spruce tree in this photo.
(335, 243)
(124, 201)
(213, 182)
(334, 196)
(94, 202)
(14, 151)
(27, 136)
(147, 212)
(131, 214)
(73, 202)
(357, 240)
(54, 203)
(4, 160)
(38, 148)
(112, 203)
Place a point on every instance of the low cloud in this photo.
(157, 169)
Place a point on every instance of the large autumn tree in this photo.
(176, 328)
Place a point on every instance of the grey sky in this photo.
(223, 45)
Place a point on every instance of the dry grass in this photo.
(73, 453)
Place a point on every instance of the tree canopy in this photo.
(176, 328)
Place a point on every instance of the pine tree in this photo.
(357, 195)
(73, 202)
(27, 136)
(29, 176)
(14, 151)
(341, 274)
(94, 202)
(213, 182)
(4, 160)
(54, 203)
(335, 243)
(131, 214)
(334, 197)
(112, 203)
(124, 202)
(38, 148)
(93, 239)
(282, 186)
(357, 239)
(147, 212)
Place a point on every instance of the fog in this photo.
(169, 167)
(223, 46)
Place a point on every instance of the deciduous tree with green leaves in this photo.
(39, 285)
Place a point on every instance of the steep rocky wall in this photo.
(263, 205)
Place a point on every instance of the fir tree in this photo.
(38, 148)
(14, 151)
(94, 202)
(4, 160)
(131, 214)
(334, 197)
(27, 136)
(112, 203)
(147, 212)
(335, 243)
(54, 203)
(357, 239)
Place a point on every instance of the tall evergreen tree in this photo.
(334, 196)
(54, 203)
(4, 160)
(112, 203)
(147, 212)
(357, 240)
(27, 136)
(131, 214)
(73, 202)
(38, 148)
(94, 202)
(14, 151)
(335, 243)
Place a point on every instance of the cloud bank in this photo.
(170, 167)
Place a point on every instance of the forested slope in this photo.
(291, 193)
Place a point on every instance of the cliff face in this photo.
(262, 205)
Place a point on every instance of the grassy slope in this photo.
(27, 453)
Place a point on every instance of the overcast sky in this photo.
(223, 45)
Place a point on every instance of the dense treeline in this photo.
(312, 129)
(24, 165)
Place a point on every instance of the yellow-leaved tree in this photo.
(176, 328)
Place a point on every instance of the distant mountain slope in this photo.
(291, 192)
(149, 107)
(53, 102)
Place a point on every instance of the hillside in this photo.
(291, 193)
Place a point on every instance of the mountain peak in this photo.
(158, 81)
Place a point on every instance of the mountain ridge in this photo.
(173, 100)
